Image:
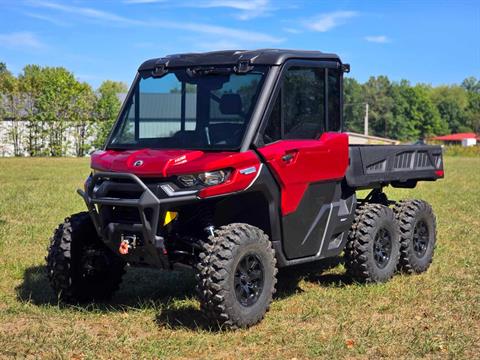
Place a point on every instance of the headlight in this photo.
(208, 178)
(188, 180)
(213, 177)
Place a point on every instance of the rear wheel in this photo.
(418, 229)
(373, 247)
(236, 275)
(80, 267)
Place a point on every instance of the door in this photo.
(306, 153)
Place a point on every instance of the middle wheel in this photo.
(236, 275)
(373, 247)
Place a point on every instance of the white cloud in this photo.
(245, 9)
(86, 12)
(47, 19)
(248, 9)
(292, 30)
(327, 21)
(23, 40)
(220, 31)
(381, 39)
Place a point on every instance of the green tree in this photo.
(51, 108)
(452, 103)
(378, 95)
(472, 111)
(472, 114)
(82, 117)
(4, 76)
(107, 108)
(354, 106)
(30, 84)
(4, 73)
(404, 124)
(471, 84)
(425, 114)
(55, 105)
(12, 104)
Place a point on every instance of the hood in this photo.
(164, 163)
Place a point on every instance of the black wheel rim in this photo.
(421, 237)
(249, 280)
(382, 248)
(93, 263)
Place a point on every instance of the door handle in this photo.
(288, 157)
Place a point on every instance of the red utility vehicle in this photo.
(234, 163)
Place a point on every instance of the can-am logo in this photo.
(138, 163)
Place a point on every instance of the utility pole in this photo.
(365, 123)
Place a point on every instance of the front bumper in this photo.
(150, 202)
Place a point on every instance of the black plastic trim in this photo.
(147, 201)
(238, 207)
(399, 165)
(332, 236)
(233, 57)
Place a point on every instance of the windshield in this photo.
(207, 108)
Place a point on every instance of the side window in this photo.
(303, 103)
(300, 104)
(334, 123)
(273, 132)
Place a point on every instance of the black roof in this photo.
(230, 57)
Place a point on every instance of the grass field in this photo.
(315, 314)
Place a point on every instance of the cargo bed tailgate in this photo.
(398, 165)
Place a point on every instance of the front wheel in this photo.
(79, 266)
(236, 275)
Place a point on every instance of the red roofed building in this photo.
(465, 139)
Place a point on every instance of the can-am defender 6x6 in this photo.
(234, 163)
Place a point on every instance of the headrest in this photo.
(230, 104)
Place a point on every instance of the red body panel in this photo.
(165, 163)
(307, 161)
(297, 163)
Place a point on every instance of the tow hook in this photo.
(127, 242)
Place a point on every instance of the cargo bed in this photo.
(397, 165)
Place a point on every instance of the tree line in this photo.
(406, 112)
(43, 104)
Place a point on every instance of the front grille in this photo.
(124, 189)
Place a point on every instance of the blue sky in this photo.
(425, 41)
